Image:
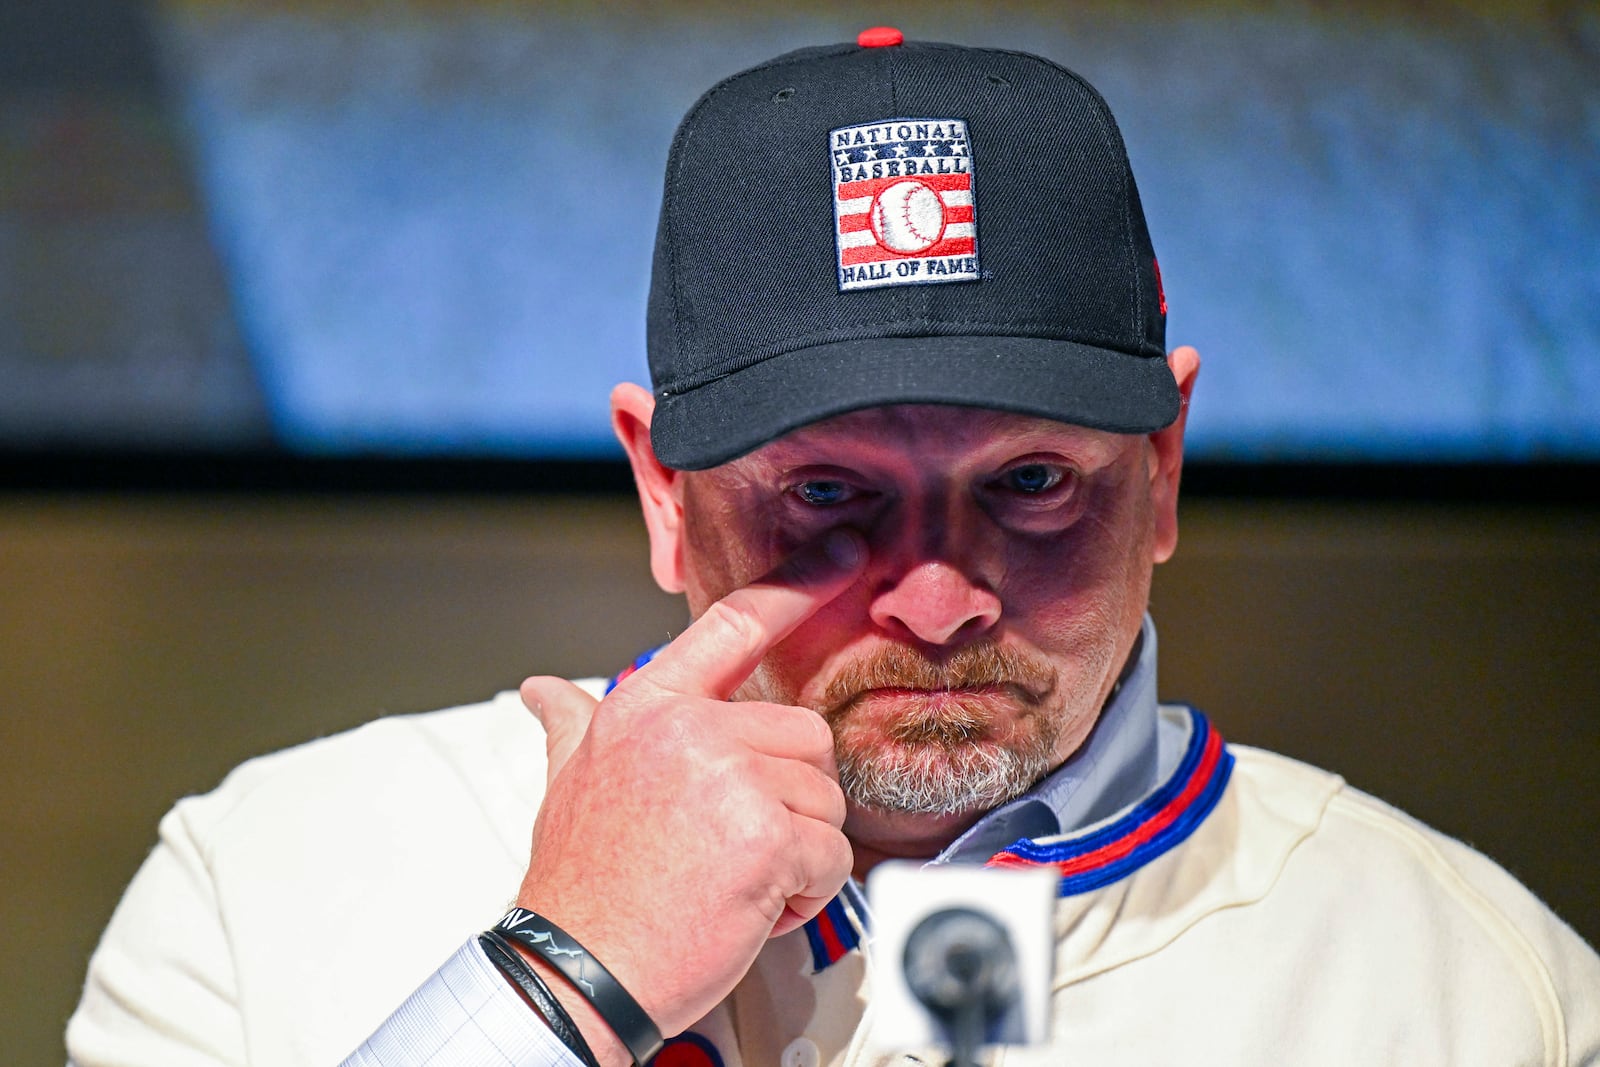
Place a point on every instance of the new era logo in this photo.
(902, 199)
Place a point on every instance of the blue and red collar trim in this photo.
(644, 657)
(831, 934)
(1154, 826)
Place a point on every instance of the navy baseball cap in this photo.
(893, 222)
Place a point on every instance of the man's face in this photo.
(1009, 563)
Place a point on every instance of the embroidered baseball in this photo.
(902, 194)
(907, 217)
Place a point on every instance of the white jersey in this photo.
(1249, 910)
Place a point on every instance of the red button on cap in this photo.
(880, 37)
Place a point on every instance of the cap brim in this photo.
(1061, 380)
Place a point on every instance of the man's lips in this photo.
(966, 696)
(980, 678)
(909, 691)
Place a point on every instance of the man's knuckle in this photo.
(662, 730)
(758, 837)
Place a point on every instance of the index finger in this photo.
(718, 650)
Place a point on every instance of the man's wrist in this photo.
(509, 962)
(588, 977)
(608, 1049)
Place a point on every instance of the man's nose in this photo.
(936, 603)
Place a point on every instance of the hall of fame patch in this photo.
(902, 200)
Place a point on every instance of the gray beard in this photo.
(942, 760)
(950, 780)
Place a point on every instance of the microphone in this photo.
(960, 958)
(960, 965)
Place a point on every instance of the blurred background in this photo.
(309, 308)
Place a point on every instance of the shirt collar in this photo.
(1112, 769)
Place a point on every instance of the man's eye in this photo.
(822, 494)
(1032, 478)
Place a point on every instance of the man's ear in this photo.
(1167, 456)
(660, 487)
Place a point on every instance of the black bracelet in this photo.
(589, 977)
(504, 956)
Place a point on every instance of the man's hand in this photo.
(679, 830)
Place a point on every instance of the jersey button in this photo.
(801, 1052)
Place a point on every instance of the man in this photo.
(913, 449)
